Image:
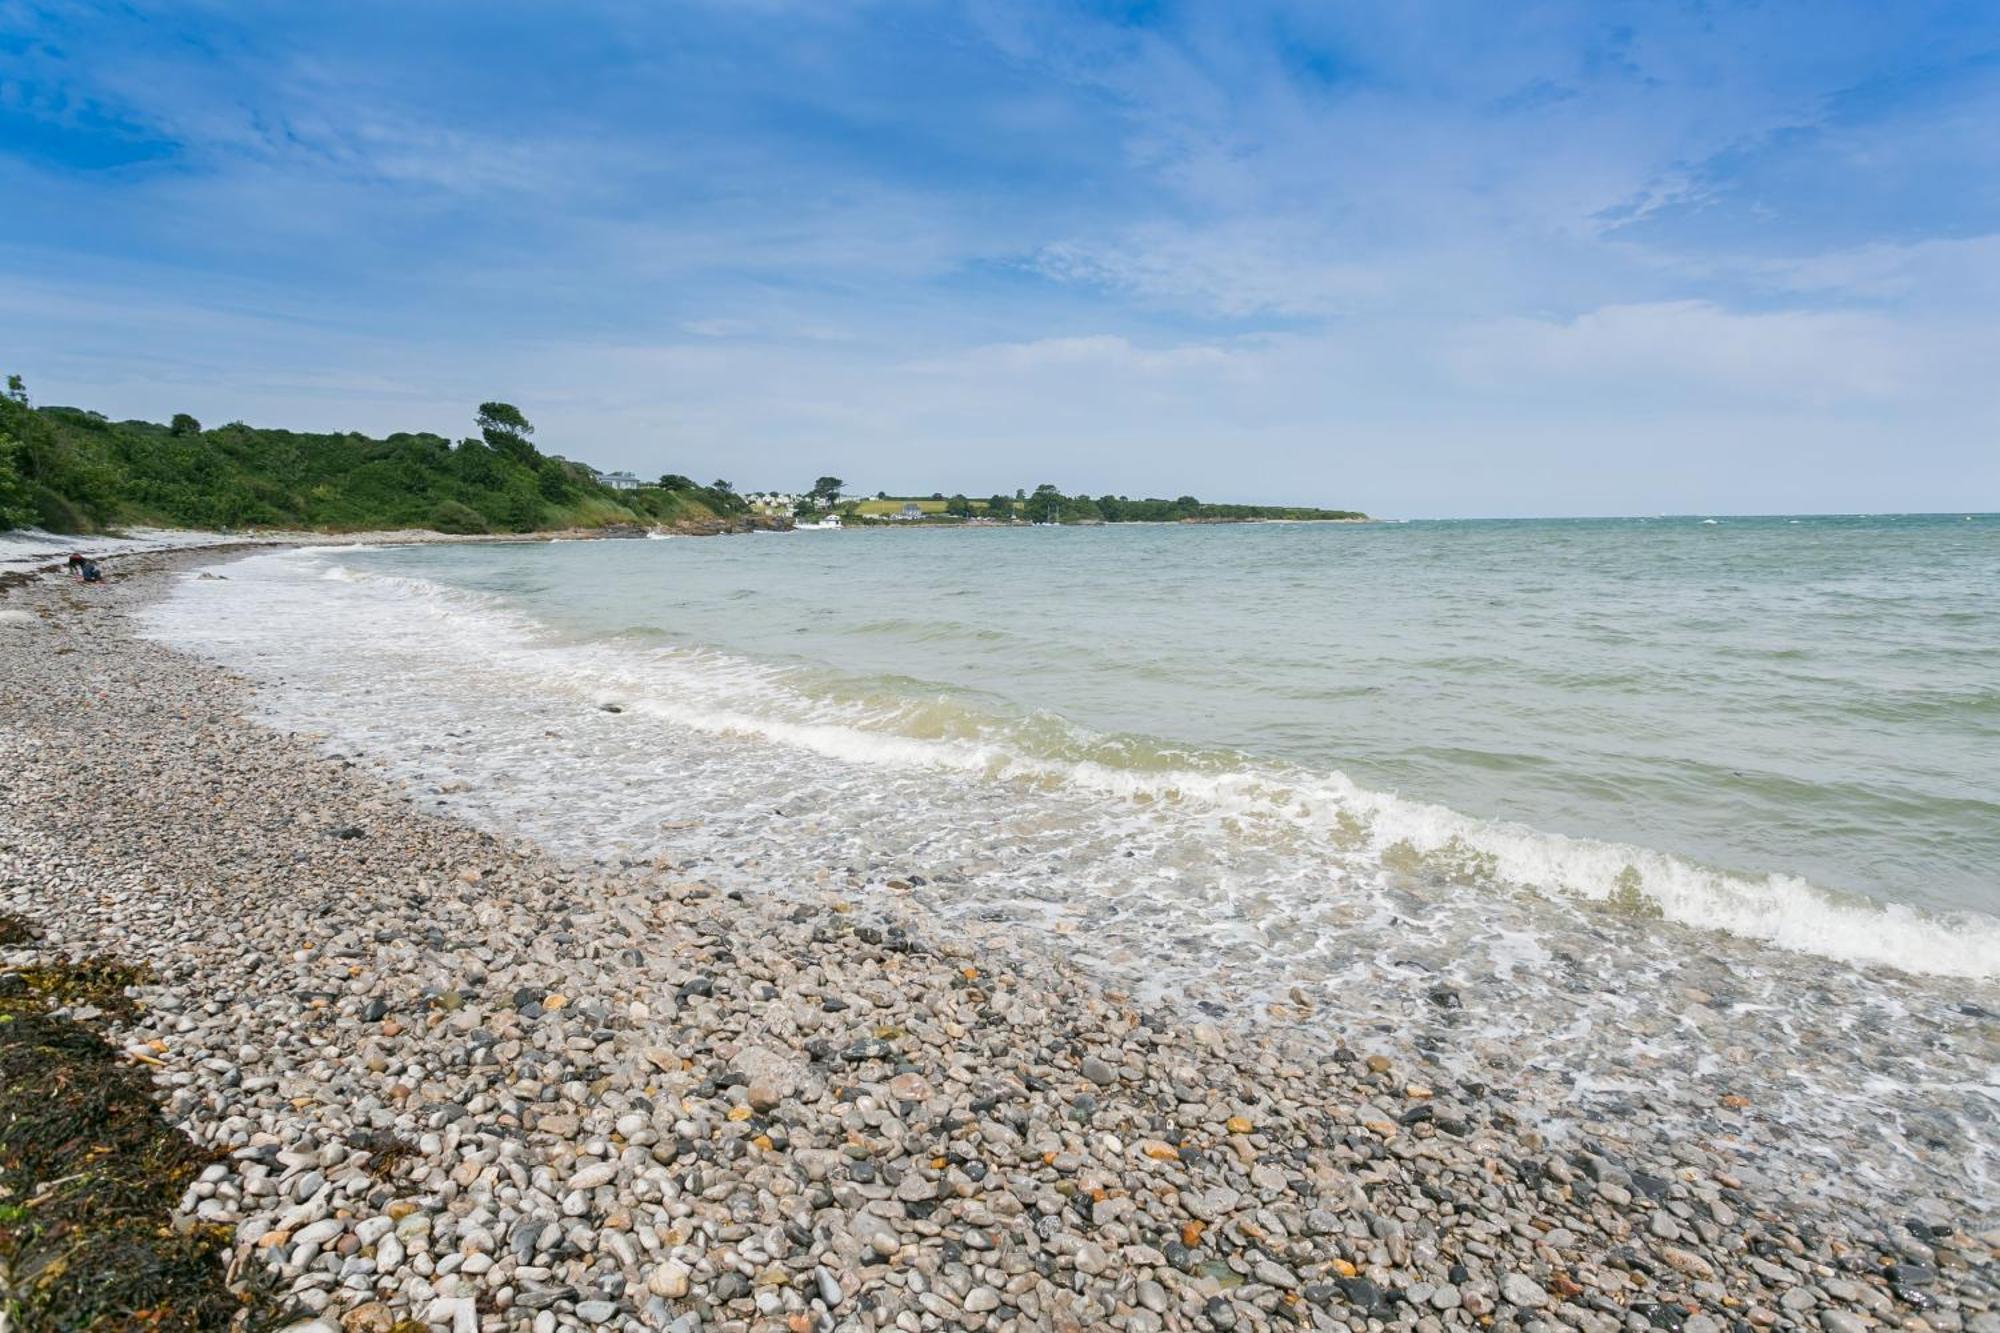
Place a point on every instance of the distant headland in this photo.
(68, 469)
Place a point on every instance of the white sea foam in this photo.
(716, 694)
(1193, 874)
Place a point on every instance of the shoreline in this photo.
(15, 568)
(1024, 1149)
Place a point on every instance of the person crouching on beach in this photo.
(91, 574)
(76, 562)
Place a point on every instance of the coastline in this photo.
(735, 1098)
(24, 561)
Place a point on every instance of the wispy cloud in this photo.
(1210, 248)
(1679, 349)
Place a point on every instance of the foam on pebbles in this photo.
(459, 1082)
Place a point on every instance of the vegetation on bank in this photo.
(71, 470)
(1047, 504)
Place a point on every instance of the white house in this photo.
(619, 481)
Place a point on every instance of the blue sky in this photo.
(1424, 259)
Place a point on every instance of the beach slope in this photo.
(455, 1080)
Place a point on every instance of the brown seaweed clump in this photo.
(90, 1175)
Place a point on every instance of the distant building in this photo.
(909, 511)
(619, 481)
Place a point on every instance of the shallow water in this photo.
(1673, 813)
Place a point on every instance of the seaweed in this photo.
(97, 981)
(386, 1151)
(91, 1175)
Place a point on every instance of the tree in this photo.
(1000, 506)
(674, 481)
(475, 463)
(958, 506)
(183, 424)
(17, 507)
(553, 480)
(722, 486)
(1046, 504)
(17, 389)
(506, 431)
(825, 492)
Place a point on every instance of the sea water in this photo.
(1694, 826)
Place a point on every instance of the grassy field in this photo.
(894, 505)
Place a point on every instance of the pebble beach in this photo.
(456, 1082)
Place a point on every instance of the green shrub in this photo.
(451, 516)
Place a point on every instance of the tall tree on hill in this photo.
(506, 431)
(826, 492)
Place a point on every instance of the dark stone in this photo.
(1361, 1293)
(374, 1010)
(1444, 997)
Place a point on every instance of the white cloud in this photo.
(1960, 272)
(1235, 270)
(1685, 347)
(1097, 355)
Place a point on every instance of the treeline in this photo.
(71, 470)
(1047, 504)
